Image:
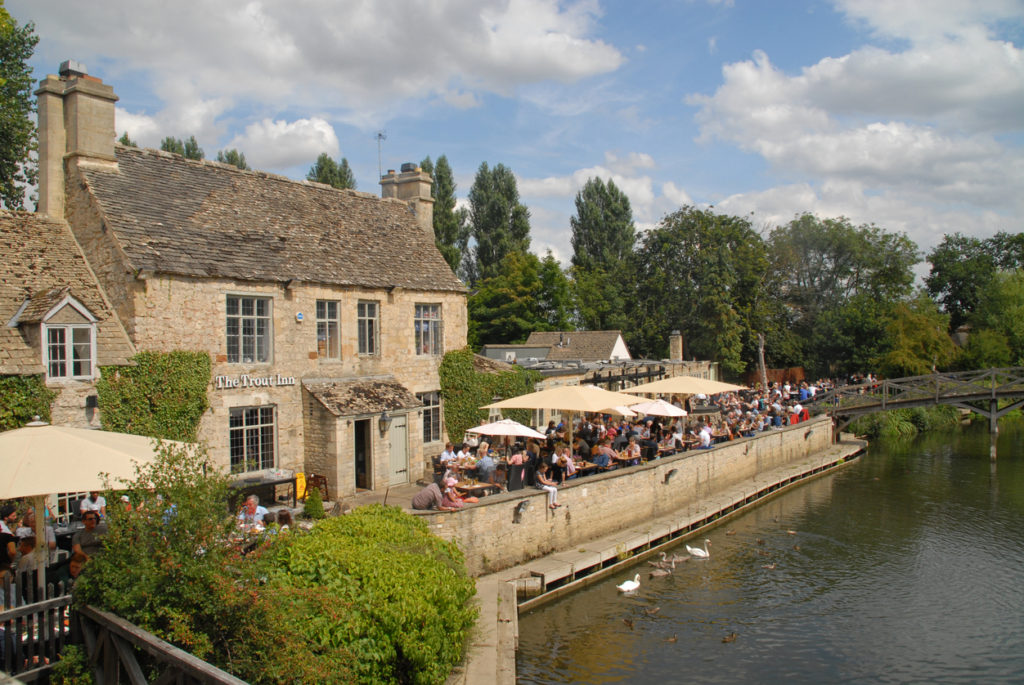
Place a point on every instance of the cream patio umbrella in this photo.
(658, 408)
(506, 427)
(571, 398)
(684, 385)
(40, 459)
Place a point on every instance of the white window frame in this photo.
(432, 415)
(236, 356)
(70, 349)
(254, 433)
(324, 323)
(372, 338)
(428, 330)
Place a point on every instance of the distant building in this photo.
(325, 312)
(586, 346)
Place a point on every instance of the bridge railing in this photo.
(935, 388)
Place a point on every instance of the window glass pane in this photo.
(248, 332)
(82, 352)
(56, 353)
(251, 438)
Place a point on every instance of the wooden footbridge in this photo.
(989, 392)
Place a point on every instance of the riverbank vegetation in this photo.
(906, 423)
(369, 597)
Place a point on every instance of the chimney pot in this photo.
(407, 167)
(72, 67)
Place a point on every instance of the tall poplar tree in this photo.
(233, 157)
(335, 174)
(499, 223)
(17, 129)
(603, 238)
(451, 233)
(189, 149)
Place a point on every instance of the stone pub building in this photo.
(325, 312)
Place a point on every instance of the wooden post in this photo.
(993, 427)
(760, 356)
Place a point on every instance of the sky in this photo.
(906, 114)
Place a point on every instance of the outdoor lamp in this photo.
(668, 476)
(517, 515)
(384, 421)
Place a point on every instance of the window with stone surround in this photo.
(368, 321)
(431, 415)
(428, 330)
(252, 438)
(328, 329)
(249, 330)
(69, 351)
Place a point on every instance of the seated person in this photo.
(252, 513)
(451, 499)
(67, 571)
(448, 454)
(631, 453)
(429, 497)
(89, 540)
(26, 548)
(485, 467)
(94, 502)
(28, 527)
(604, 455)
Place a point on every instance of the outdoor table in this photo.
(585, 468)
(476, 489)
(264, 486)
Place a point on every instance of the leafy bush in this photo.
(906, 423)
(21, 399)
(72, 669)
(369, 597)
(400, 595)
(314, 507)
(163, 395)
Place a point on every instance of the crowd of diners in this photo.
(598, 443)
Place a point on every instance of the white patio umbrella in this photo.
(571, 398)
(41, 459)
(506, 427)
(658, 407)
(684, 385)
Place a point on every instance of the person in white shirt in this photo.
(705, 436)
(94, 502)
(448, 454)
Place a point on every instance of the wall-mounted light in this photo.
(517, 515)
(384, 422)
(668, 476)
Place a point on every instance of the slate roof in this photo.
(204, 219)
(42, 263)
(351, 397)
(585, 345)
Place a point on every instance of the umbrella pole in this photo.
(42, 550)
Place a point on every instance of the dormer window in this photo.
(67, 333)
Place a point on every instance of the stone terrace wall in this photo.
(602, 504)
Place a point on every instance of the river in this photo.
(904, 566)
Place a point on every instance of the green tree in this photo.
(555, 297)
(234, 158)
(506, 306)
(189, 149)
(499, 223)
(603, 239)
(126, 141)
(1000, 310)
(701, 273)
(963, 266)
(917, 340)
(17, 128)
(335, 174)
(451, 231)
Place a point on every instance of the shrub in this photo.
(72, 669)
(21, 399)
(399, 597)
(314, 507)
(466, 390)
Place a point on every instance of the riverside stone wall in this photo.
(598, 505)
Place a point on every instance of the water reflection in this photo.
(905, 566)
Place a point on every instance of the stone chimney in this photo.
(413, 186)
(675, 346)
(76, 119)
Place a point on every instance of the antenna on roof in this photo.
(381, 137)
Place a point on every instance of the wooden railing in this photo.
(33, 635)
(114, 646)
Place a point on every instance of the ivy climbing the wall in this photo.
(162, 396)
(22, 398)
(464, 390)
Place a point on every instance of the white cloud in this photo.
(357, 57)
(278, 144)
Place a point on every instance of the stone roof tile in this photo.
(204, 219)
(353, 397)
(585, 345)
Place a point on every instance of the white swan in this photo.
(698, 552)
(629, 585)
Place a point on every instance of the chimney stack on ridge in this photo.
(412, 185)
(76, 119)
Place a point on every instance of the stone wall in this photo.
(602, 504)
